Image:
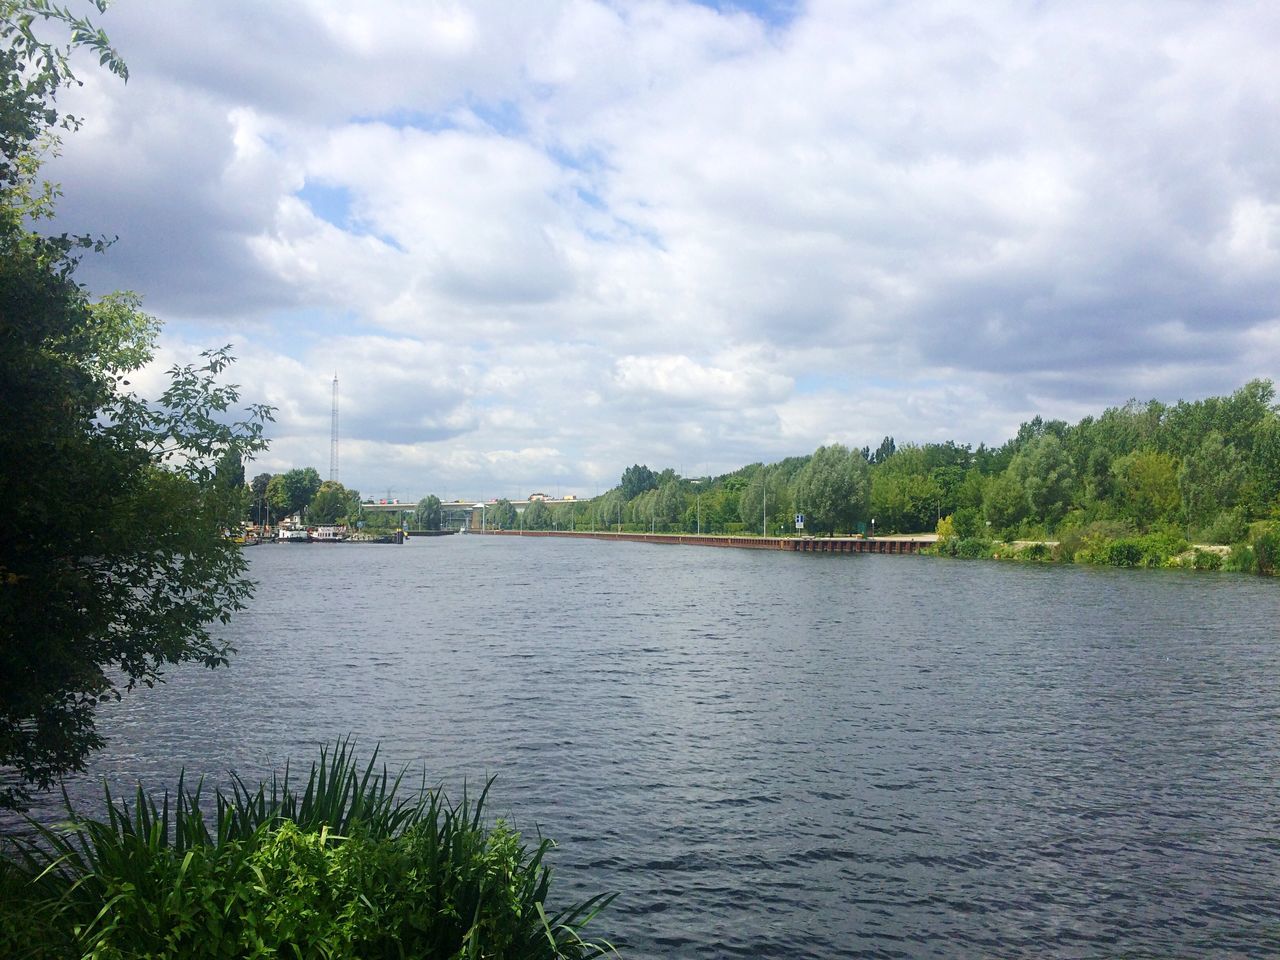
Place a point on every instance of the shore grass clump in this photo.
(348, 867)
(967, 548)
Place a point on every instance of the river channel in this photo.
(788, 755)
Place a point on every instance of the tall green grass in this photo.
(348, 866)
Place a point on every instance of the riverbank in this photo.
(1258, 554)
(907, 543)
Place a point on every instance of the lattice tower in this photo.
(333, 434)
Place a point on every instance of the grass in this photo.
(347, 866)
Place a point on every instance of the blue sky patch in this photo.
(331, 204)
(776, 13)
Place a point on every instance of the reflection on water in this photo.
(775, 754)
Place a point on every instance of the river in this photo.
(788, 755)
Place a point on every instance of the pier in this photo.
(894, 545)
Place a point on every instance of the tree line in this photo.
(1206, 469)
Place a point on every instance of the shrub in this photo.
(1264, 540)
(1206, 560)
(969, 522)
(1153, 550)
(1037, 552)
(1228, 527)
(346, 869)
(1240, 559)
(972, 548)
(946, 528)
(1071, 540)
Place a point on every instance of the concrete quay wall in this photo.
(895, 545)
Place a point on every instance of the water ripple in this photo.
(774, 755)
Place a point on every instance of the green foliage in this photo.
(288, 493)
(1146, 487)
(972, 548)
(1038, 552)
(1005, 502)
(833, 488)
(636, 479)
(113, 562)
(1045, 473)
(1229, 526)
(946, 529)
(1261, 552)
(1211, 479)
(536, 516)
(501, 516)
(1206, 560)
(968, 522)
(332, 502)
(427, 515)
(345, 868)
(1159, 549)
(905, 496)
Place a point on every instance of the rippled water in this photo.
(774, 754)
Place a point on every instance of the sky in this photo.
(539, 242)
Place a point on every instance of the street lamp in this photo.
(764, 503)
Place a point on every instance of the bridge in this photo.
(465, 514)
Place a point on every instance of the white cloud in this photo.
(579, 235)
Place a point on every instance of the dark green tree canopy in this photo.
(427, 514)
(113, 558)
(636, 479)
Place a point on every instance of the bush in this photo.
(946, 529)
(972, 548)
(1071, 540)
(969, 548)
(1206, 560)
(1240, 559)
(1228, 527)
(348, 869)
(1264, 540)
(969, 523)
(1153, 550)
(1037, 552)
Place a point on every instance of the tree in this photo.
(636, 479)
(113, 559)
(536, 516)
(1146, 486)
(767, 492)
(1044, 470)
(501, 516)
(1210, 480)
(905, 501)
(427, 514)
(331, 503)
(1005, 502)
(258, 497)
(833, 488)
(883, 452)
(289, 492)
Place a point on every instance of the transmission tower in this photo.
(333, 434)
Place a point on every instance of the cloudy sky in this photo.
(538, 242)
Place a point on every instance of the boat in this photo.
(329, 534)
(291, 534)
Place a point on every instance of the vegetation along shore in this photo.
(1191, 485)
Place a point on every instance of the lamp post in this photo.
(764, 503)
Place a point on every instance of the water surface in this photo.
(774, 754)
